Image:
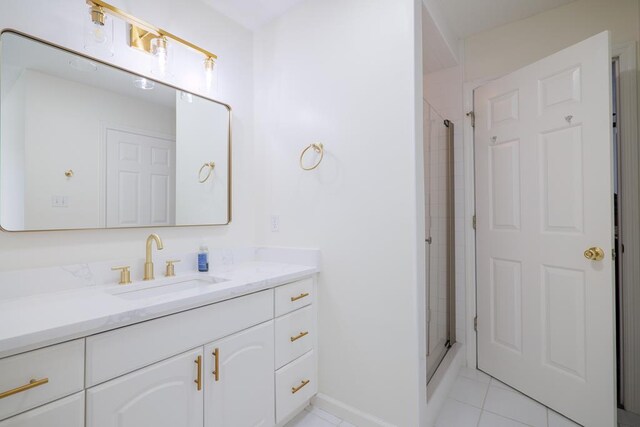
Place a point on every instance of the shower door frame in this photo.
(450, 338)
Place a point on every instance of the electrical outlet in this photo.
(275, 223)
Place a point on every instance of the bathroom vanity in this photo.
(233, 347)
(89, 145)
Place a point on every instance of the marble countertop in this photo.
(43, 319)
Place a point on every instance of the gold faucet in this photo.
(148, 265)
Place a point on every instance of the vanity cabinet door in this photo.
(239, 382)
(67, 412)
(164, 394)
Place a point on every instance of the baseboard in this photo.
(347, 413)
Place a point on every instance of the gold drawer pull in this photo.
(300, 335)
(32, 384)
(198, 380)
(294, 390)
(216, 369)
(305, 294)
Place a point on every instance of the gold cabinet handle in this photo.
(216, 364)
(198, 380)
(125, 274)
(302, 295)
(300, 335)
(294, 390)
(32, 384)
(594, 254)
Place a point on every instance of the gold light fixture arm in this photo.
(143, 28)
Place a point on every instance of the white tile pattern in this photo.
(315, 417)
(500, 405)
(476, 400)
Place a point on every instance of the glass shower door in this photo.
(439, 239)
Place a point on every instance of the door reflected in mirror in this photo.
(85, 145)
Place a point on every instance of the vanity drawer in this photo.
(296, 383)
(59, 370)
(293, 296)
(123, 350)
(67, 412)
(295, 335)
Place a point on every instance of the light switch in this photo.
(59, 201)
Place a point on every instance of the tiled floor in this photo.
(314, 417)
(477, 400)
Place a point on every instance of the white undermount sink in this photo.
(164, 286)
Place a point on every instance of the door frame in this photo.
(626, 52)
(630, 207)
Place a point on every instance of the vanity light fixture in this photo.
(143, 83)
(83, 65)
(186, 96)
(98, 32)
(148, 38)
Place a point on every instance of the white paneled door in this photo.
(544, 197)
(141, 181)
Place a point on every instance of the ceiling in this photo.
(465, 17)
(468, 17)
(20, 53)
(252, 14)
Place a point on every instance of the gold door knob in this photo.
(594, 254)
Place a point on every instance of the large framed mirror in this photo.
(86, 145)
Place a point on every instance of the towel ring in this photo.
(318, 148)
(209, 165)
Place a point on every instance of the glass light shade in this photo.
(160, 57)
(98, 33)
(210, 75)
(143, 83)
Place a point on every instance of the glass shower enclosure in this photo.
(439, 236)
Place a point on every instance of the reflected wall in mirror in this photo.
(87, 145)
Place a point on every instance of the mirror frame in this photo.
(148, 77)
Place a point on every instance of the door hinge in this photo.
(472, 116)
(473, 222)
(613, 254)
(475, 323)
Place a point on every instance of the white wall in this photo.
(12, 128)
(498, 51)
(64, 129)
(342, 72)
(201, 137)
(61, 21)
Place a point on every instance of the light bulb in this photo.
(99, 35)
